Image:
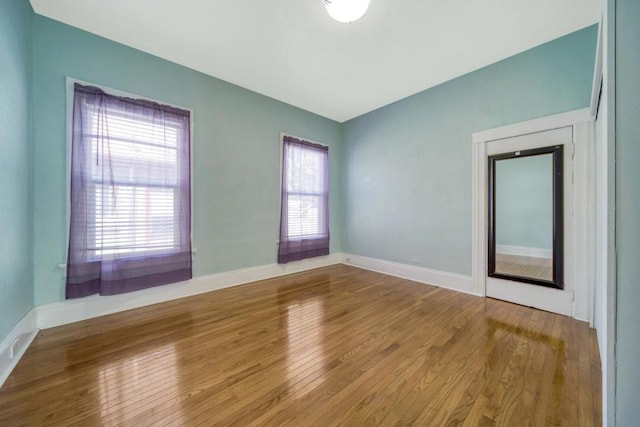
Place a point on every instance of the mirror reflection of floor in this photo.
(524, 266)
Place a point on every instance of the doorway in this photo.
(532, 193)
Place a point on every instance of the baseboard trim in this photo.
(524, 251)
(455, 282)
(19, 338)
(69, 311)
(61, 313)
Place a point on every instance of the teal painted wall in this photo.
(236, 148)
(16, 279)
(627, 82)
(407, 166)
(524, 202)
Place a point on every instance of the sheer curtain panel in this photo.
(130, 220)
(304, 211)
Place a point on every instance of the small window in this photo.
(304, 218)
(130, 222)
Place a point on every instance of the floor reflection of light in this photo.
(127, 386)
(305, 354)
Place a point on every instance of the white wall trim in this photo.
(19, 338)
(479, 200)
(69, 311)
(579, 222)
(541, 124)
(584, 219)
(456, 282)
(524, 251)
(74, 310)
(597, 84)
(609, 377)
(60, 313)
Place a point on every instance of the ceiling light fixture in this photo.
(346, 11)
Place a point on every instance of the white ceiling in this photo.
(293, 51)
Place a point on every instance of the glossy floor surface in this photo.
(337, 345)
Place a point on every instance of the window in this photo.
(130, 194)
(304, 214)
(133, 210)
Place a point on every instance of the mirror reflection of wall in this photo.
(524, 216)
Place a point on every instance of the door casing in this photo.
(577, 297)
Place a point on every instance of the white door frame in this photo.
(582, 270)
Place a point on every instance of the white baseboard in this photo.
(74, 310)
(16, 343)
(456, 282)
(69, 311)
(524, 251)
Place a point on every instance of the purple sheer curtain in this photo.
(304, 211)
(130, 225)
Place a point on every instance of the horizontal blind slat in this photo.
(305, 192)
(134, 171)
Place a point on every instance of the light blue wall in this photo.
(16, 279)
(236, 143)
(627, 82)
(407, 166)
(524, 202)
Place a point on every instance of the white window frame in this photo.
(70, 82)
(280, 154)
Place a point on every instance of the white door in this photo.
(527, 262)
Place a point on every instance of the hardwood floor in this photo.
(333, 346)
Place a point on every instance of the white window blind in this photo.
(306, 192)
(135, 200)
(304, 211)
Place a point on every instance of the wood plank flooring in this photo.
(333, 346)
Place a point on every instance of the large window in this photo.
(304, 217)
(130, 194)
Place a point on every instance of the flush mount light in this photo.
(346, 10)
